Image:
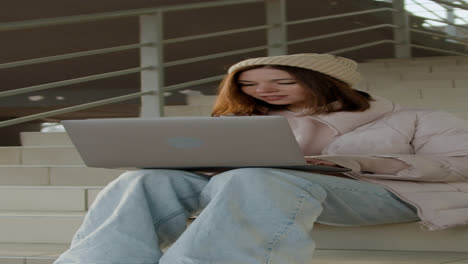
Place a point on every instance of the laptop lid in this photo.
(185, 142)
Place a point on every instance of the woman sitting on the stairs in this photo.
(407, 166)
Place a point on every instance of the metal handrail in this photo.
(214, 56)
(112, 15)
(366, 45)
(73, 108)
(341, 33)
(150, 11)
(429, 10)
(216, 34)
(73, 81)
(106, 101)
(439, 35)
(179, 86)
(462, 6)
(439, 50)
(446, 22)
(73, 55)
(440, 17)
(315, 19)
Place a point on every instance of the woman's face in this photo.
(273, 86)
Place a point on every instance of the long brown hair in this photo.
(325, 94)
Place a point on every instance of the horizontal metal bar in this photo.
(34, 23)
(451, 4)
(191, 83)
(73, 108)
(208, 4)
(340, 33)
(439, 35)
(366, 45)
(214, 56)
(215, 34)
(446, 22)
(428, 10)
(17, 25)
(72, 81)
(439, 50)
(72, 55)
(301, 21)
(107, 101)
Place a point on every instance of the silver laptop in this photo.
(189, 143)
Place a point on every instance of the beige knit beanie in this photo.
(338, 67)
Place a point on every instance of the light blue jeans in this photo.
(250, 215)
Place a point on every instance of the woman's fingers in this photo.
(321, 162)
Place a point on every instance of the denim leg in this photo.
(134, 216)
(252, 215)
(261, 215)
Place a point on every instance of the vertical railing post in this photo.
(277, 34)
(401, 33)
(450, 29)
(152, 80)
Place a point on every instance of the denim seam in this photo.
(283, 232)
(156, 224)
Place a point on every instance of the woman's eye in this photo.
(245, 84)
(287, 83)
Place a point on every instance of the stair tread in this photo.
(35, 147)
(50, 187)
(61, 214)
(41, 251)
(30, 249)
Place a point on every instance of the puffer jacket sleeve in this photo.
(439, 143)
(430, 169)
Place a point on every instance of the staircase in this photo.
(45, 190)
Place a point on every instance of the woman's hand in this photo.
(361, 163)
(316, 161)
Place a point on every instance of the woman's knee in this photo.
(264, 179)
(160, 177)
(242, 175)
(244, 180)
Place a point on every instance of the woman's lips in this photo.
(273, 97)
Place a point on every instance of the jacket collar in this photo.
(343, 122)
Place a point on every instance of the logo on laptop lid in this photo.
(184, 142)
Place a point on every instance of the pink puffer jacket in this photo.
(434, 146)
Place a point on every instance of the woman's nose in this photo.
(265, 88)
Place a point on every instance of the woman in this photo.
(408, 165)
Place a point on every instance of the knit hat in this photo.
(338, 67)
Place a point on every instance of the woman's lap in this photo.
(235, 204)
(348, 201)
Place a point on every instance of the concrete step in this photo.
(47, 253)
(56, 175)
(40, 155)
(46, 198)
(10, 155)
(412, 84)
(418, 60)
(397, 237)
(455, 75)
(381, 76)
(443, 68)
(39, 226)
(45, 139)
(387, 257)
(30, 253)
(59, 227)
(395, 69)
